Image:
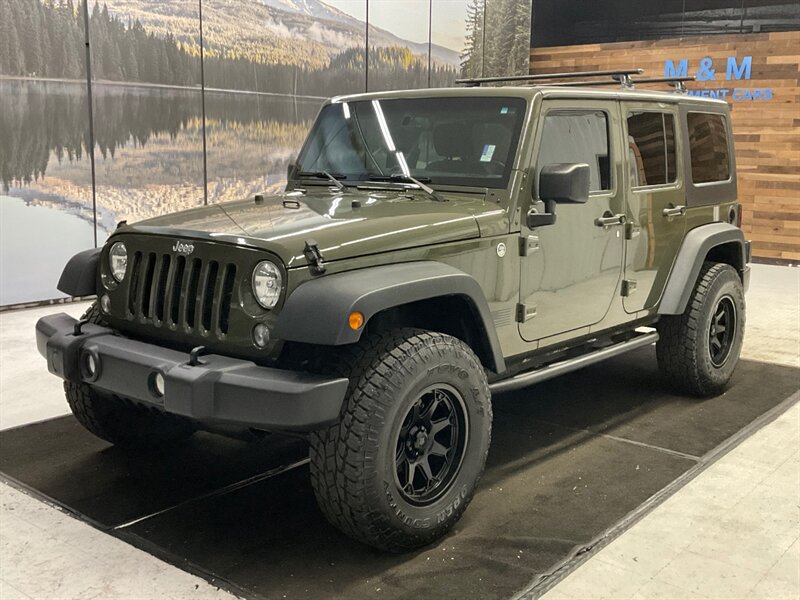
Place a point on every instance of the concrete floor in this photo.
(45, 553)
(731, 533)
(27, 394)
(734, 532)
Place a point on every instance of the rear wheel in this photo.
(401, 465)
(698, 350)
(118, 420)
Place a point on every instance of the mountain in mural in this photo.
(306, 33)
(312, 8)
(380, 37)
(45, 40)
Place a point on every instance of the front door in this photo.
(571, 273)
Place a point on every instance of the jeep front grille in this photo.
(179, 292)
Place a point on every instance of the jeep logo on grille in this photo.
(182, 248)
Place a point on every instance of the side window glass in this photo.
(577, 137)
(708, 146)
(651, 148)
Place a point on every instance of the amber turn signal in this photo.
(356, 320)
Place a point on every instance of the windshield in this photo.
(451, 141)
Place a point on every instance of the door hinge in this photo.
(528, 244)
(525, 312)
(632, 230)
(628, 287)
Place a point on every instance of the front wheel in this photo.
(698, 350)
(401, 465)
(121, 421)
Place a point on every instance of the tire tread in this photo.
(118, 420)
(338, 452)
(678, 349)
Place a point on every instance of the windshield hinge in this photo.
(316, 262)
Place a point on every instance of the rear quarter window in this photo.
(651, 148)
(708, 147)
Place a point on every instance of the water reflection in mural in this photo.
(149, 138)
(251, 140)
(45, 185)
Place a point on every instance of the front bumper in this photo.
(218, 388)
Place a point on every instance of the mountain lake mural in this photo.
(266, 68)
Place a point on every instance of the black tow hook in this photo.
(194, 356)
(76, 331)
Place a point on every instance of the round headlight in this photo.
(267, 284)
(118, 260)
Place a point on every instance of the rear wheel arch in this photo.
(715, 242)
(729, 253)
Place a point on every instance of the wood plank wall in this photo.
(767, 133)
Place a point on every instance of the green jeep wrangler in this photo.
(431, 248)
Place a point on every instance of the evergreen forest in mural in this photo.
(498, 38)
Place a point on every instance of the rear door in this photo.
(656, 199)
(572, 277)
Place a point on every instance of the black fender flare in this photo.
(317, 311)
(79, 277)
(693, 252)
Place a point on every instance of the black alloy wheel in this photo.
(698, 350)
(430, 445)
(722, 331)
(401, 465)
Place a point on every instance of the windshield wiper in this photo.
(334, 177)
(401, 178)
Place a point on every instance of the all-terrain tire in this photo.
(119, 420)
(694, 354)
(355, 465)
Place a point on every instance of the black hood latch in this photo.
(316, 262)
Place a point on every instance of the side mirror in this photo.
(563, 182)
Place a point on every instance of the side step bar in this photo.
(573, 364)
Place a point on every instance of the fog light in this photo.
(91, 365)
(105, 303)
(158, 384)
(261, 335)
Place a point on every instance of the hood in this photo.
(343, 224)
